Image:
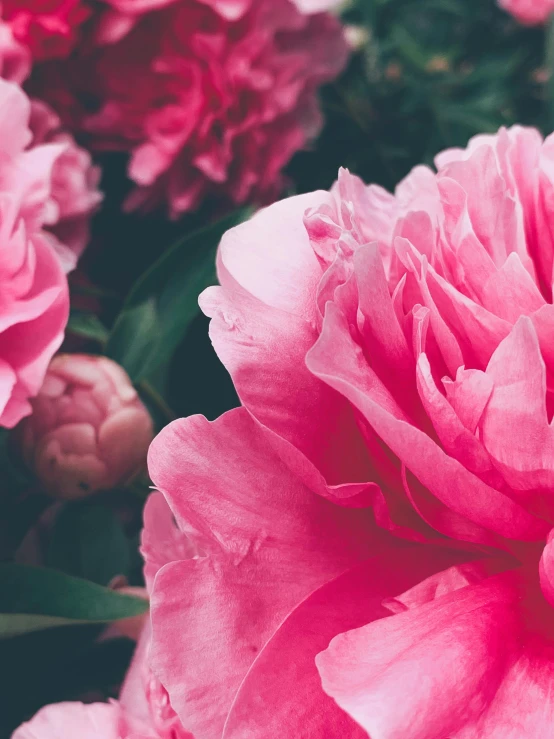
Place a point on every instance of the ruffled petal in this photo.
(464, 665)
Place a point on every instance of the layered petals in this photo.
(405, 367)
(34, 296)
(282, 691)
(476, 647)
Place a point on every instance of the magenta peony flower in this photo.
(88, 430)
(387, 486)
(529, 12)
(34, 290)
(47, 28)
(228, 93)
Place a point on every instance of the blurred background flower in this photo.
(47, 29)
(227, 94)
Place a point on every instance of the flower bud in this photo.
(89, 429)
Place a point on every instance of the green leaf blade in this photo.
(37, 598)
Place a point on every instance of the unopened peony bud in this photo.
(89, 430)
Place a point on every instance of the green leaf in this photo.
(88, 326)
(88, 541)
(36, 598)
(164, 301)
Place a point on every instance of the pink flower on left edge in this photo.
(33, 287)
(228, 94)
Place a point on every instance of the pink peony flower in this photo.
(529, 12)
(34, 290)
(228, 93)
(88, 430)
(386, 487)
(47, 28)
(74, 187)
(143, 710)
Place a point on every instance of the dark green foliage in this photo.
(37, 598)
(432, 74)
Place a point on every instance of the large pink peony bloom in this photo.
(227, 94)
(387, 487)
(33, 287)
(529, 12)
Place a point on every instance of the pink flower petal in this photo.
(470, 647)
(269, 542)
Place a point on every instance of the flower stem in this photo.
(549, 64)
(156, 399)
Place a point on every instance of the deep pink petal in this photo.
(281, 694)
(269, 542)
(263, 349)
(463, 665)
(515, 427)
